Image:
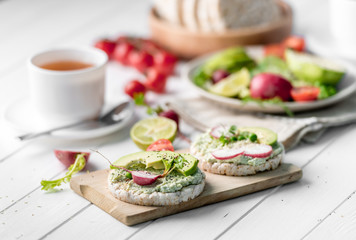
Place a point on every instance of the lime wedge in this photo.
(313, 69)
(146, 131)
(235, 84)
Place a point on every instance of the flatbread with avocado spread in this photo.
(233, 151)
(157, 178)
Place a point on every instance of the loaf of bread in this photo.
(218, 15)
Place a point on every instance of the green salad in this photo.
(296, 76)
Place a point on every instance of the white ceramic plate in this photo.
(20, 116)
(345, 88)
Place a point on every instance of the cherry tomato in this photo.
(274, 50)
(305, 94)
(294, 42)
(150, 45)
(161, 145)
(171, 115)
(107, 46)
(133, 87)
(156, 81)
(122, 52)
(165, 62)
(140, 60)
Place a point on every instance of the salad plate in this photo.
(20, 116)
(345, 88)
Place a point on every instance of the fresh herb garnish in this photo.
(179, 162)
(77, 166)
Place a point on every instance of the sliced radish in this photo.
(225, 154)
(258, 150)
(217, 131)
(143, 178)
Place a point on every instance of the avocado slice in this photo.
(184, 163)
(150, 159)
(264, 135)
(189, 166)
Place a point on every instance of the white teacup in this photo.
(67, 96)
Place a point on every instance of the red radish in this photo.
(218, 131)
(67, 158)
(171, 115)
(268, 85)
(219, 75)
(225, 154)
(258, 150)
(143, 178)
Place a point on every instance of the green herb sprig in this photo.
(77, 166)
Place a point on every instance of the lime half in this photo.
(146, 131)
(234, 85)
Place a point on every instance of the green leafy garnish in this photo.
(77, 166)
(139, 99)
(233, 129)
(179, 162)
(326, 91)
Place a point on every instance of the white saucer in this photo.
(20, 116)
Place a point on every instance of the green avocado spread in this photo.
(204, 145)
(172, 182)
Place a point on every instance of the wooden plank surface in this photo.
(322, 211)
(93, 187)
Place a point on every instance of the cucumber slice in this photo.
(313, 69)
(264, 135)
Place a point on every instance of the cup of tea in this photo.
(67, 85)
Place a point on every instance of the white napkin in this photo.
(203, 114)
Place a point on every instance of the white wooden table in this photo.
(322, 205)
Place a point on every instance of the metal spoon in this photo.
(115, 115)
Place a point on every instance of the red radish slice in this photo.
(217, 131)
(143, 178)
(67, 158)
(258, 150)
(225, 154)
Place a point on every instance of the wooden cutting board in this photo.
(93, 187)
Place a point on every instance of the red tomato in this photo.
(156, 81)
(294, 42)
(140, 60)
(133, 87)
(161, 145)
(165, 62)
(122, 52)
(274, 50)
(107, 46)
(305, 94)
